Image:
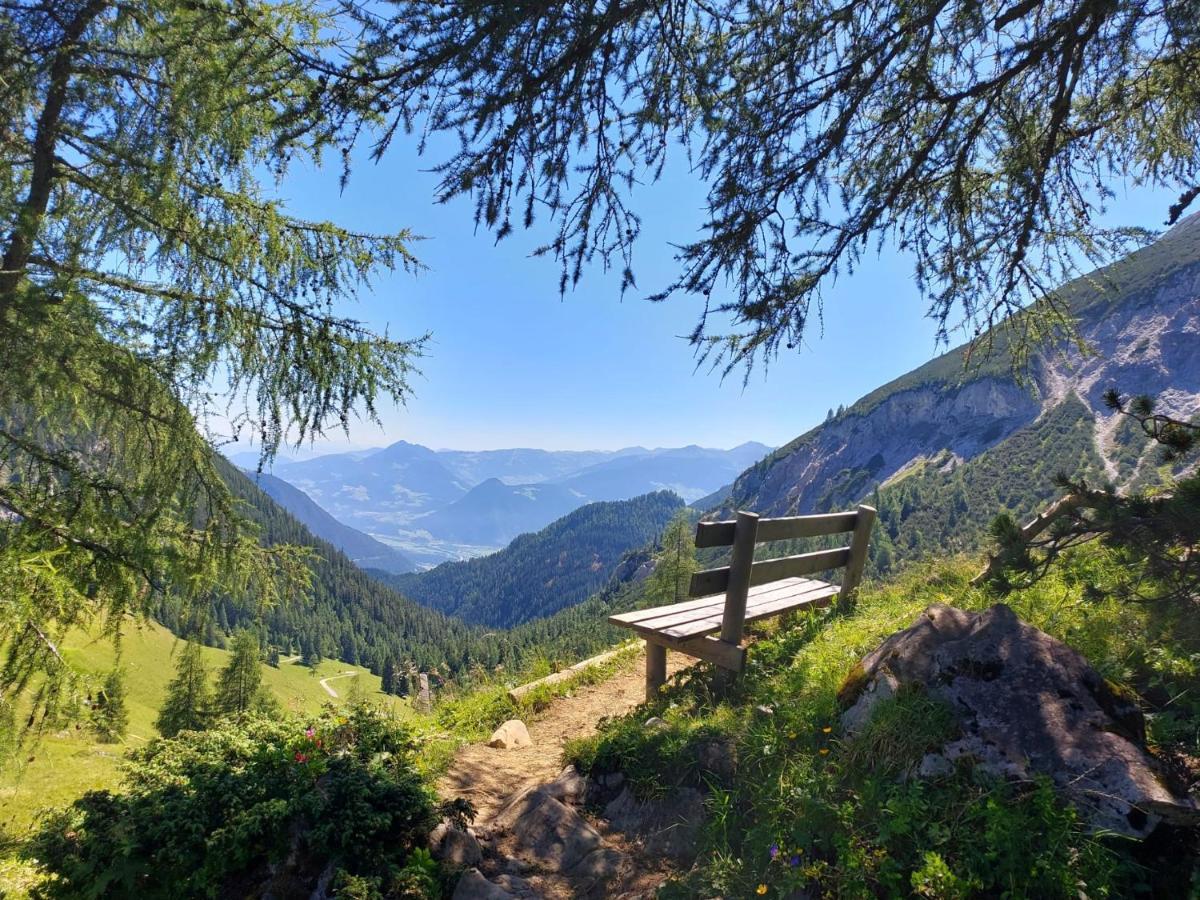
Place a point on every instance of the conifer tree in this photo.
(387, 676)
(239, 688)
(142, 252)
(189, 703)
(675, 563)
(110, 715)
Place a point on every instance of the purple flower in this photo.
(774, 851)
(794, 861)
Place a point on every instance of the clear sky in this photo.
(511, 364)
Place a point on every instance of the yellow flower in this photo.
(823, 751)
(762, 889)
(826, 729)
(792, 735)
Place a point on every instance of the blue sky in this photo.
(511, 364)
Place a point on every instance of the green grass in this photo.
(64, 764)
(843, 810)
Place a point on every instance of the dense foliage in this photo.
(539, 574)
(980, 137)
(143, 260)
(810, 809)
(262, 806)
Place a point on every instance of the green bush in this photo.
(251, 806)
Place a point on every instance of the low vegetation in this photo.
(812, 809)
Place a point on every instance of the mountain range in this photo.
(439, 505)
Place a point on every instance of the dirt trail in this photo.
(488, 777)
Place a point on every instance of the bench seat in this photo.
(680, 623)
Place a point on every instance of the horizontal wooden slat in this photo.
(709, 581)
(675, 625)
(714, 581)
(720, 534)
(801, 564)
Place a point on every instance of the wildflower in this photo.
(774, 851)
(795, 860)
(762, 889)
(301, 758)
(824, 751)
(826, 729)
(309, 733)
(792, 735)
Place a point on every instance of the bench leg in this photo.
(656, 669)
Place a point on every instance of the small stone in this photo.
(512, 735)
(473, 886)
(765, 710)
(653, 723)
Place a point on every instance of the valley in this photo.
(434, 506)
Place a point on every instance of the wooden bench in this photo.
(745, 590)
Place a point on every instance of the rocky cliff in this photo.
(936, 430)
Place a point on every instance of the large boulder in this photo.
(1027, 704)
(547, 831)
(473, 886)
(667, 827)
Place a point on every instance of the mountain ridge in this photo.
(1140, 317)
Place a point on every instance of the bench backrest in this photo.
(742, 573)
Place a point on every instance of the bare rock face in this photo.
(550, 833)
(512, 735)
(1028, 704)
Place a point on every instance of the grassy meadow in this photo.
(64, 764)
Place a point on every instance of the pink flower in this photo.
(309, 733)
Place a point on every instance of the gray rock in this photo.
(1027, 704)
(546, 830)
(934, 765)
(457, 847)
(518, 887)
(603, 864)
(654, 722)
(570, 787)
(718, 758)
(512, 735)
(473, 886)
(667, 828)
(764, 710)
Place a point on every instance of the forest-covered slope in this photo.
(541, 573)
(362, 549)
(945, 447)
(351, 616)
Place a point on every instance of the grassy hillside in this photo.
(811, 810)
(64, 764)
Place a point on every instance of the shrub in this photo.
(249, 807)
